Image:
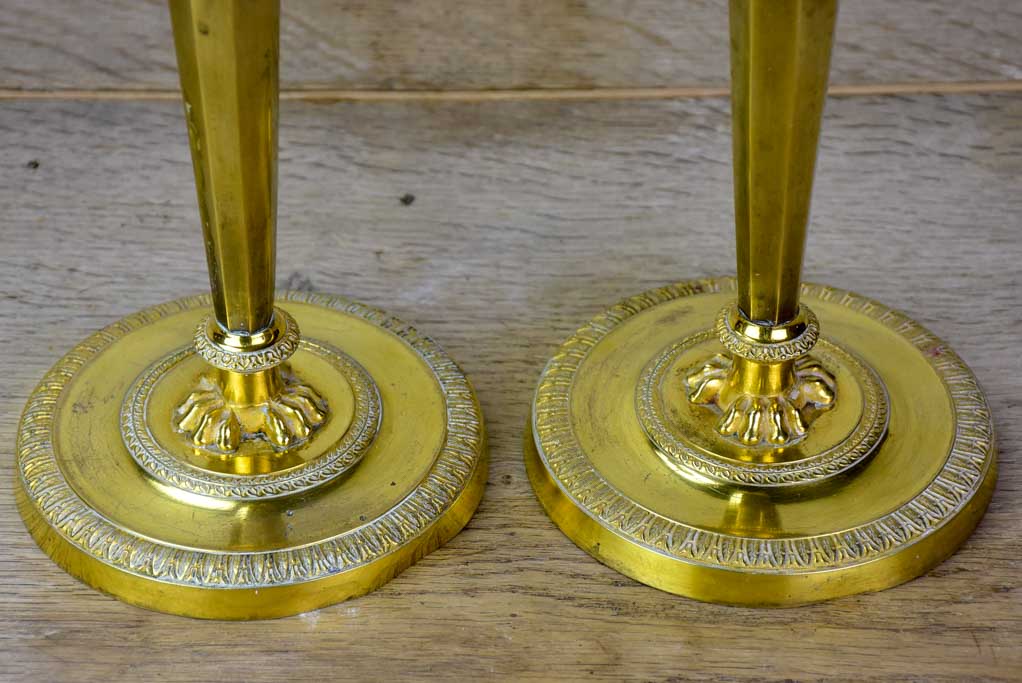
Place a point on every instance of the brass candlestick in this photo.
(240, 455)
(758, 441)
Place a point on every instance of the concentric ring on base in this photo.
(166, 456)
(105, 520)
(890, 519)
(686, 439)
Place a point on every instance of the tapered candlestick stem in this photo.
(227, 53)
(780, 58)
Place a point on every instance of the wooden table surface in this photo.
(448, 45)
(529, 217)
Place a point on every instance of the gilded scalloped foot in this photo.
(210, 421)
(758, 420)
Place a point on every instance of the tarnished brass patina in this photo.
(756, 440)
(246, 454)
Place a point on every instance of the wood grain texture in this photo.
(515, 44)
(527, 220)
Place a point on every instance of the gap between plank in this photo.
(542, 94)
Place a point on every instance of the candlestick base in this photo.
(884, 485)
(119, 498)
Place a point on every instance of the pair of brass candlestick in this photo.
(751, 441)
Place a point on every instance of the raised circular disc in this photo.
(101, 517)
(900, 512)
(255, 470)
(686, 437)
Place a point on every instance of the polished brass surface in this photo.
(340, 445)
(780, 61)
(237, 545)
(238, 455)
(250, 393)
(227, 56)
(769, 389)
(757, 441)
(810, 533)
(687, 438)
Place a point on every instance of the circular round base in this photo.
(877, 519)
(121, 500)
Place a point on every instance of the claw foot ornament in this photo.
(209, 420)
(762, 420)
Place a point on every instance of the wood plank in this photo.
(528, 219)
(482, 45)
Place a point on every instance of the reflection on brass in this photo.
(246, 454)
(769, 389)
(776, 411)
(271, 472)
(225, 84)
(685, 435)
(751, 514)
(227, 407)
(757, 440)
